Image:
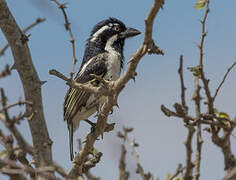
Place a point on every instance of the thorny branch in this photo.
(5, 72)
(31, 85)
(179, 170)
(72, 39)
(124, 174)
(9, 122)
(37, 21)
(197, 99)
(124, 135)
(210, 118)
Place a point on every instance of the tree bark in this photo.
(31, 84)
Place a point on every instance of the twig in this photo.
(223, 80)
(37, 21)
(202, 77)
(91, 177)
(19, 103)
(124, 135)
(124, 174)
(183, 89)
(72, 39)
(188, 144)
(5, 72)
(179, 170)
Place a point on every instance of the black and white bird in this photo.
(103, 57)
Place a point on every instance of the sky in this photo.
(177, 29)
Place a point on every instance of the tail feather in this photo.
(70, 128)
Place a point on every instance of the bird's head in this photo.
(109, 33)
(109, 28)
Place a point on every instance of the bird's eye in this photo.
(116, 28)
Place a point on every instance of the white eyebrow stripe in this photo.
(96, 34)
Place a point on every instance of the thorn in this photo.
(24, 38)
(133, 78)
(14, 67)
(117, 105)
(42, 82)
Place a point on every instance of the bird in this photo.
(103, 57)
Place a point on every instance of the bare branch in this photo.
(179, 170)
(183, 89)
(223, 80)
(188, 144)
(124, 174)
(37, 21)
(31, 85)
(202, 77)
(5, 72)
(72, 39)
(197, 100)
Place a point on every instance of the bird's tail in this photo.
(70, 128)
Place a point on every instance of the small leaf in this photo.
(223, 115)
(3, 153)
(195, 71)
(200, 4)
(95, 151)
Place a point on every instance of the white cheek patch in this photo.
(96, 34)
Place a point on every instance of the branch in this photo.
(197, 100)
(5, 72)
(179, 170)
(202, 77)
(31, 85)
(72, 39)
(37, 21)
(101, 90)
(124, 174)
(183, 89)
(223, 80)
(124, 135)
(188, 144)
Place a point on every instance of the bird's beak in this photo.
(129, 32)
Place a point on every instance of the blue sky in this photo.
(176, 30)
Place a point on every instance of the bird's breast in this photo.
(113, 66)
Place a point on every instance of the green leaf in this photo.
(95, 151)
(200, 4)
(3, 153)
(195, 71)
(223, 115)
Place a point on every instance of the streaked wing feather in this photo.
(75, 99)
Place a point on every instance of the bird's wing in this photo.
(75, 99)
